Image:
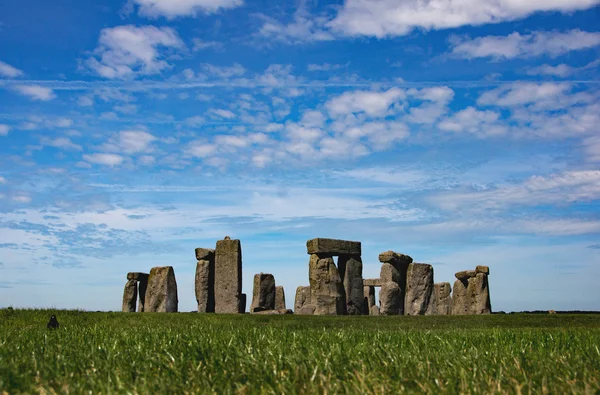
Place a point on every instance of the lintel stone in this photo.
(333, 247)
(372, 282)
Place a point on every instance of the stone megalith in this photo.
(142, 279)
(460, 304)
(441, 301)
(279, 298)
(333, 247)
(205, 280)
(353, 283)
(263, 293)
(369, 295)
(389, 299)
(307, 309)
(161, 294)
(374, 310)
(326, 289)
(419, 286)
(302, 298)
(130, 296)
(228, 276)
(478, 294)
(394, 266)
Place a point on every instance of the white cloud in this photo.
(561, 70)
(127, 50)
(592, 148)
(62, 143)
(387, 18)
(104, 159)
(521, 93)
(325, 67)
(524, 46)
(130, 142)
(303, 28)
(178, 8)
(223, 113)
(21, 198)
(370, 102)
(2, 180)
(4, 129)
(471, 120)
(201, 149)
(9, 71)
(199, 44)
(36, 92)
(235, 70)
(85, 101)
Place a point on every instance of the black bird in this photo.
(53, 323)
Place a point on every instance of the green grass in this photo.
(195, 353)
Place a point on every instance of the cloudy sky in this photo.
(460, 132)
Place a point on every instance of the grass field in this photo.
(195, 353)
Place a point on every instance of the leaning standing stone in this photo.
(460, 305)
(279, 298)
(478, 295)
(419, 286)
(302, 298)
(326, 289)
(353, 283)
(263, 293)
(204, 285)
(228, 276)
(161, 294)
(130, 296)
(389, 298)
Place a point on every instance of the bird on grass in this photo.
(53, 323)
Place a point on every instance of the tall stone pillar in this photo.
(302, 298)
(419, 286)
(441, 301)
(263, 293)
(228, 276)
(161, 294)
(326, 289)
(353, 283)
(205, 280)
(478, 292)
(394, 267)
(130, 296)
(142, 284)
(460, 302)
(279, 298)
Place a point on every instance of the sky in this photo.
(459, 132)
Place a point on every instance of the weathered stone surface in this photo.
(374, 310)
(465, 274)
(478, 295)
(279, 298)
(228, 276)
(142, 286)
(161, 294)
(130, 296)
(331, 247)
(441, 301)
(302, 297)
(369, 295)
(372, 282)
(204, 286)
(482, 269)
(394, 258)
(460, 304)
(326, 289)
(137, 276)
(419, 286)
(389, 273)
(205, 254)
(353, 284)
(389, 299)
(263, 294)
(307, 309)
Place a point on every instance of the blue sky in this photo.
(458, 132)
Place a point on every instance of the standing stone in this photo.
(369, 295)
(326, 290)
(482, 269)
(279, 298)
(130, 296)
(374, 310)
(142, 286)
(394, 267)
(161, 294)
(263, 293)
(441, 301)
(389, 273)
(302, 298)
(478, 295)
(460, 305)
(204, 286)
(228, 276)
(353, 284)
(419, 286)
(307, 309)
(389, 299)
